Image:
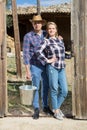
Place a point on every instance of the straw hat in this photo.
(37, 18)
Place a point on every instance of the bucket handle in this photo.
(31, 81)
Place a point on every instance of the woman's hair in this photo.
(52, 23)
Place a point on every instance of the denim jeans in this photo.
(39, 74)
(58, 86)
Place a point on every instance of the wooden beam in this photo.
(17, 39)
(3, 64)
(38, 7)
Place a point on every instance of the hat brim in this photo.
(42, 21)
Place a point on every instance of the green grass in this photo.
(11, 67)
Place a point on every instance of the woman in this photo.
(52, 53)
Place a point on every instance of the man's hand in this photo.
(28, 73)
(60, 37)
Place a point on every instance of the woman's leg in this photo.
(53, 84)
(63, 87)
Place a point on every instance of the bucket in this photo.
(26, 94)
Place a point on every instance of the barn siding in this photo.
(79, 36)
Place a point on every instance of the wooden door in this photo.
(79, 38)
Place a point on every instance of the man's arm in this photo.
(28, 72)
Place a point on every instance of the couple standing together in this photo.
(43, 55)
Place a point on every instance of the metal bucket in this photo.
(26, 94)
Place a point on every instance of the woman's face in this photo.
(52, 30)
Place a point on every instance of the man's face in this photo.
(37, 25)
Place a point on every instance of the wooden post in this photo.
(79, 36)
(3, 53)
(38, 6)
(17, 39)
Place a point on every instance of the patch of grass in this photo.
(11, 67)
(13, 94)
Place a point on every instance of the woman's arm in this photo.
(40, 53)
(41, 56)
(53, 59)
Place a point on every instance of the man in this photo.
(34, 69)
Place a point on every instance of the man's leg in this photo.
(36, 77)
(45, 92)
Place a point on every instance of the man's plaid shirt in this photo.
(30, 44)
(49, 48)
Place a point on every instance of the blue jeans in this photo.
(58, 86)
(39, 74)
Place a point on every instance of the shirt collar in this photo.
(34, 33)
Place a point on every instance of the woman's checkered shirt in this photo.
(49, 48)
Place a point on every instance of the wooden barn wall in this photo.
(62, 21)
(79, 38)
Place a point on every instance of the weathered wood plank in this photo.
(17, 39)
(3, 82)
(79, 36)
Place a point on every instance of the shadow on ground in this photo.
(15, 108)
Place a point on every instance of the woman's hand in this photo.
(52, 60)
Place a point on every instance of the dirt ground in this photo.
(14, 105)
(27, 123)
(19, 122)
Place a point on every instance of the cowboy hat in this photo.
(37, 18)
